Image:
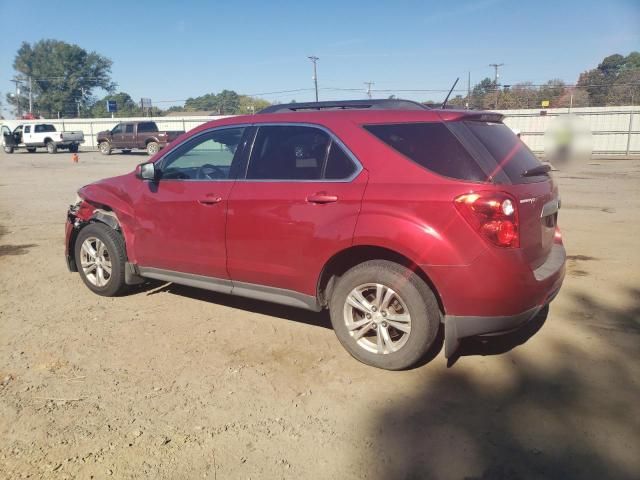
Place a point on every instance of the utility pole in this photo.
(368, 84)
(496, 66)
(468, 90)
(314, 60)
(17, 82)
(30, 96)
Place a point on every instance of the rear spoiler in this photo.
(470, 115)
(484, 117)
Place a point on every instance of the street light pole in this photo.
(314, 60)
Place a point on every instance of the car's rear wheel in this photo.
(384, 314)
(100, 256)
(153, 148)
(105, 148)
(51, 147)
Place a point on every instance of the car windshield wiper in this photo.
(539, 170)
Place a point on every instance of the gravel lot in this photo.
(173, 382)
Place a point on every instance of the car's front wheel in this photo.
(105, 148)
(100, 256)
(384, 314)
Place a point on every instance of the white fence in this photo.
(615, 130)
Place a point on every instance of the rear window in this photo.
(510, 154)
(431, 145)
(146, 127)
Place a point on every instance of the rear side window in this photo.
(44, 128)
(511, 155)
(146, 127)
(432, 146)
(288, 153)
(128, 128)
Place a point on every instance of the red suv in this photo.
(395, 217)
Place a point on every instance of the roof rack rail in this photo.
(381, 104)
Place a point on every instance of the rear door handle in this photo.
(322, 198)
(210, 200)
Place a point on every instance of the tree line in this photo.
(59, 79)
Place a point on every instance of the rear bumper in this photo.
(493, 312)
(457, 328)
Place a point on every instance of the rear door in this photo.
(296, 207)
(129, 136)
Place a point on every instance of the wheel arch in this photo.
(356, 254)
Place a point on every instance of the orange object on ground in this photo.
(74, 158)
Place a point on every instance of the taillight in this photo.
(493, 214)
(61, 137)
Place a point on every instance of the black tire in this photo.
(105, 148)
(8, 149)
(73, 148)
(153, 148)
(31, 149)
(51, 147)
(115, 249)
(420, 302)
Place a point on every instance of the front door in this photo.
(117, 136)
(297, 207)
(182, 216)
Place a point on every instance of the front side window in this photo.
(206, 157)
(117, 129)
(292, 152)
(128, 128)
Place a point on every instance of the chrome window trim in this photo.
(333, 136)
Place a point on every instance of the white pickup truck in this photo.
(33, 135)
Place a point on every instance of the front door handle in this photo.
(322, 198)
(210, 200)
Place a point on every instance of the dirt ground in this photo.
(171, 382)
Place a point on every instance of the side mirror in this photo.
(146, 171)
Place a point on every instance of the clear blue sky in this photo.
(174, 50)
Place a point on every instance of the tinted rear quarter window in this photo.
(432, 146)
(511, 155)
(339, 165)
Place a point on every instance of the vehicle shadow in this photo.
(316, 319)
(572, 414)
